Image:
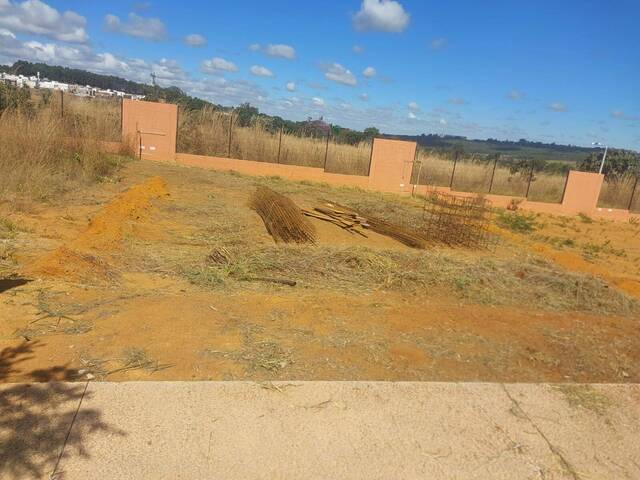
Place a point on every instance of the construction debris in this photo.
(354, 222)
(457, 221)
(283, 219)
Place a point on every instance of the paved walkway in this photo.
(318, 430)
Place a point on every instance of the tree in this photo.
(618, 164)
(371, 132)
(245, 114)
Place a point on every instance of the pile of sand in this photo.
(80, 259)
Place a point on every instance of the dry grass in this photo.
(477, 279)
(618, 194)
(433, 169)
(42, 154)
(206, 132)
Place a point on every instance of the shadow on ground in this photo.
(36, 418)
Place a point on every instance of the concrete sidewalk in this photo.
(323, 430)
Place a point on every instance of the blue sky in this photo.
(555, 71)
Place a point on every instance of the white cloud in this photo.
(412, 116)
(291, 86)
(442, 121)
(136, 26)
(260, 71)
(438, 43)
(457, 101)
(558, 107)
(318, 102)
(364, 97)
(381, 15)
(337, 73)
(254, 47)
(38, 18)
(413, 106)
(217, 64)
(357, 49)
(280, 50)
(195, 40)
(369, 72)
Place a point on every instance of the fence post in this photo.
(633, 192)
(177, 123)
(279, 144)
(453, 172)
(564, 189)
(493, 173)
(526, 195)
(121, 115)
(370, 157)
(62, 103)
(230, 130)
(326, 150)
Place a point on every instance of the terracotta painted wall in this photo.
(151, 127)
(391, 165)
(582, 192)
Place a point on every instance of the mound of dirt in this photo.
(80, 259)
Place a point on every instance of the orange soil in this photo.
(623, 271)
(267, 332)
(77, 260)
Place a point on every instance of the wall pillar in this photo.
(391, 165)
(582, 192)
(150, 128)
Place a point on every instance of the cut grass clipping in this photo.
(478, 280)
(283, 219)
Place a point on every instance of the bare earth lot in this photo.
(135, 296)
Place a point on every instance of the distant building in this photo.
(22, 81)
(317, 127)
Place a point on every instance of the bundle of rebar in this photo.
(456, 220)
(353, 221)
(282, 217)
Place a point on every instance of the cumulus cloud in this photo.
(81, 56)
(290, 86)
(136, 26)
(457, 101)
(369, 72)
(260, 71)
(280, 50)
(381, 15)
(357, 49)
(413, 106)
(195, 40)
(438, 43)
(364, 97)
(38, 18)
(558, 107)
(318, 102)
(217, 65)
(412, 116)
(339, 74)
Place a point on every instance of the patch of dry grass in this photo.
(476, 279)
(41, 154)
(206, 132)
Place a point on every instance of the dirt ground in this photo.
(119, 288)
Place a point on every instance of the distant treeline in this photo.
(553, 156)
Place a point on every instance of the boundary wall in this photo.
(151, 129)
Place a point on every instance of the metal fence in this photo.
(218, 134)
